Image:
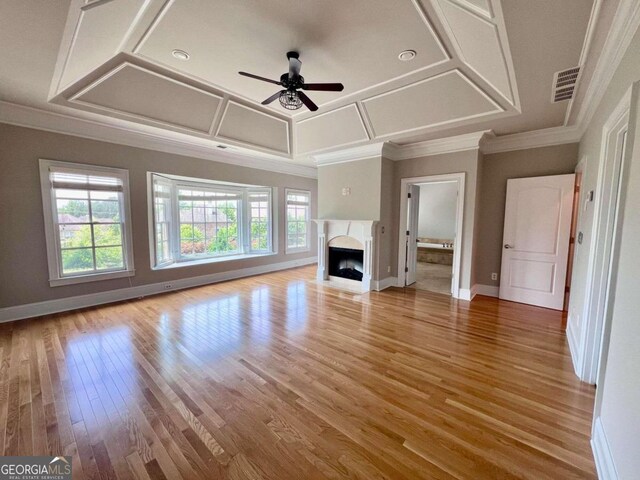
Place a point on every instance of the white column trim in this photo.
(602, 452)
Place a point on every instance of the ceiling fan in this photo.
(291, 97)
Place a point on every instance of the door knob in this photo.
(506, 245)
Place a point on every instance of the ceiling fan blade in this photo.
(325, 87)
(272, 97)
(294, 67)
(251, 75)
(307, 101)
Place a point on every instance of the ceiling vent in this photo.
(564, 84)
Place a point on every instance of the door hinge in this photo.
(409, 195)
(408, 233)
(406, 269)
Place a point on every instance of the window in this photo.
(298, 221)
(197, 219)
(208, 221)
(86, 211)
(162, 220)
(260, 220)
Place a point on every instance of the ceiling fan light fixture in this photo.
(290, 100)
(180, 55)
(407, 55)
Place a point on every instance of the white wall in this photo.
(437, 211)
(618, 397)
(590, 151)
(617, 413)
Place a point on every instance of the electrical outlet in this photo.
(389, 269)
(494, 276)
(168, 286)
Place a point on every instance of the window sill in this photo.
(291, 251)
(205, 261)
(94, 277)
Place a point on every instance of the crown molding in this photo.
(395, 152)
(623, 28)
(458, 143)
(141, 136)
(353, 154)
(534, 139)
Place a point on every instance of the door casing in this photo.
(402, 231)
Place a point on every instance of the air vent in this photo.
(564, 84)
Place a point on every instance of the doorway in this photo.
(537, 227)
(590, 335)
(431, 233)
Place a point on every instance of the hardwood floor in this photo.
(277, 377)
(433, 277)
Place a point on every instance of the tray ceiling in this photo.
(355, 42)
(116, 59)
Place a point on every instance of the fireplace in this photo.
(345, 253)
(346, 263)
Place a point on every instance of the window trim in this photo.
(270, 230)
(51, 236)
(291, 250)
(244, 231)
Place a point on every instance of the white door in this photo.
(537, 226)
(413, 204)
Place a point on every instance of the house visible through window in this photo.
(298, 221)
(199, 219)
(86, 219)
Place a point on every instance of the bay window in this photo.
(196, 219)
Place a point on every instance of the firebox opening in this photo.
(346, 263)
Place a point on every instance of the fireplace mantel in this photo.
(361, 230)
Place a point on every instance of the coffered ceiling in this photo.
(475, 67)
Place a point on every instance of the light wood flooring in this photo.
(276, 377)
(433, 277)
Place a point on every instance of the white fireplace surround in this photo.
(330, 232)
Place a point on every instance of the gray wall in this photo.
(437, 213)
(497, 169)
(363, 177)
(387, 233)
(371, 184)
(457, 162)
(22, 233)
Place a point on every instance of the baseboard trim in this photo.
(573, 346)
(487, 290)
(602, 453)
(380, 285)
(29, 310)
(467, 293)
